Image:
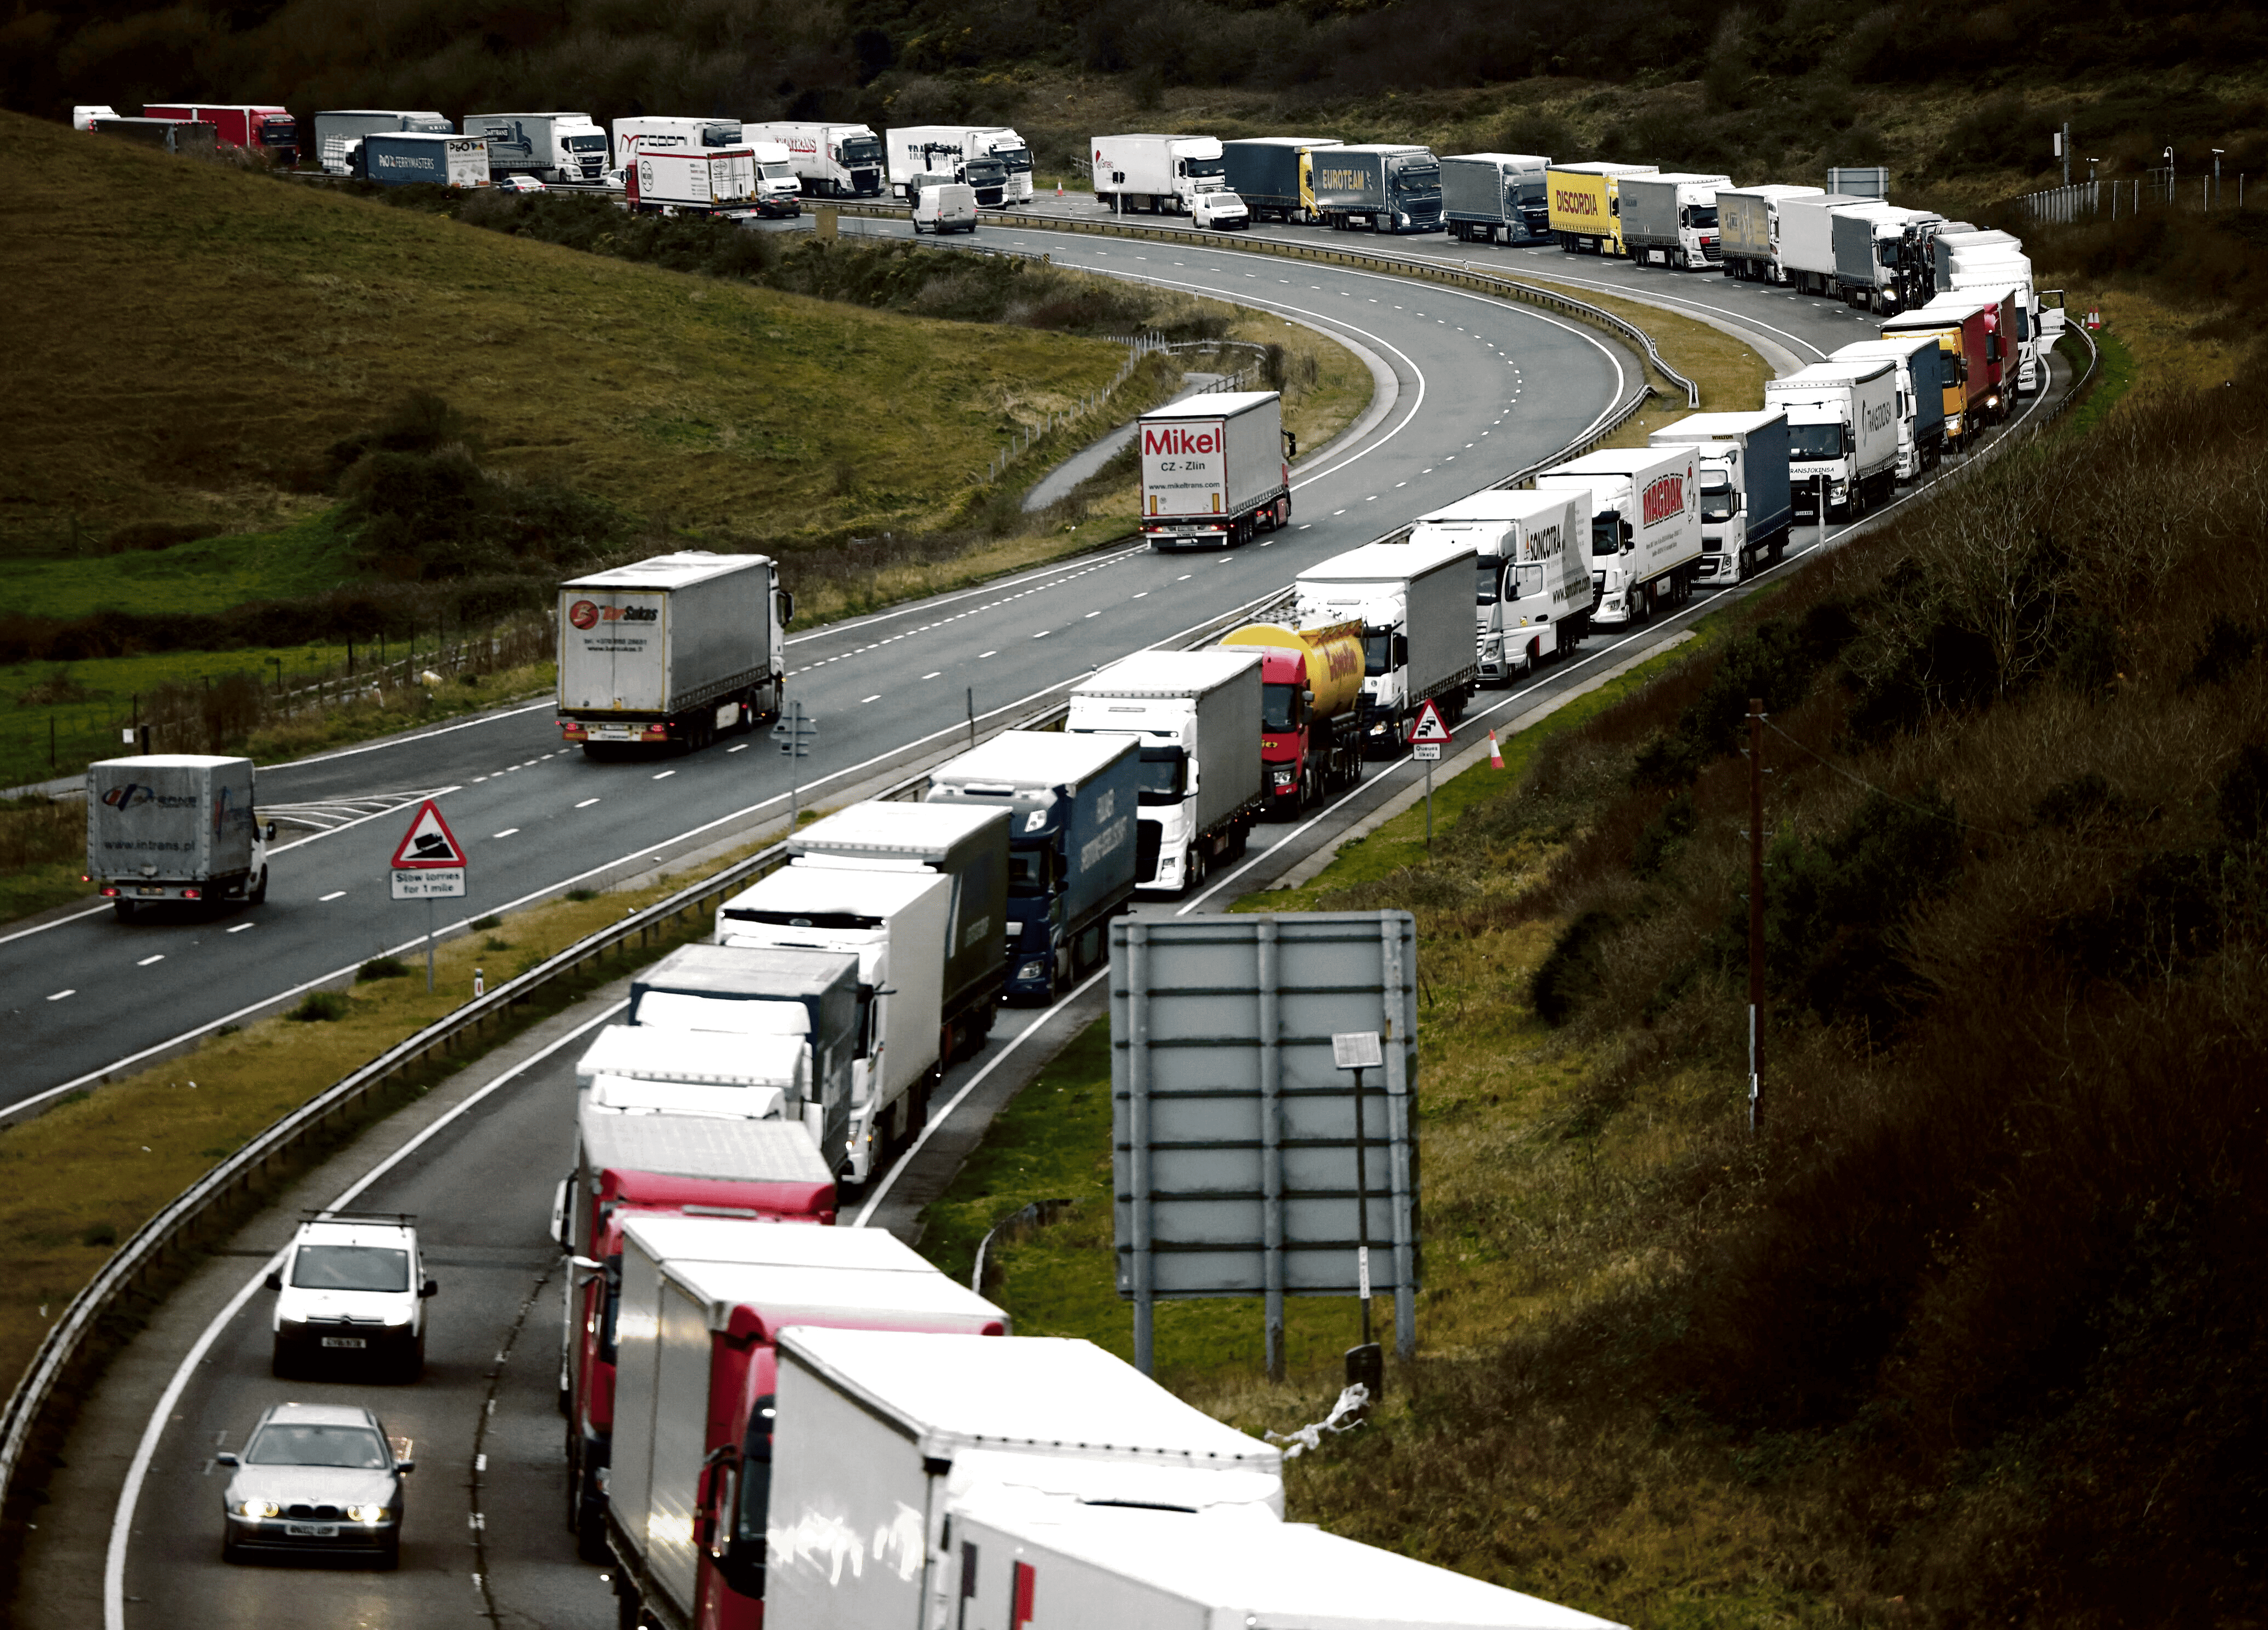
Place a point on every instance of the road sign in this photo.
(428, 863)
(1428, 726)
(1429, 752)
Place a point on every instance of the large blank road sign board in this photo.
(1235, 1147)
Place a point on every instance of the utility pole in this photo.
(1756, 908)
(2063, 150)
(2216, 177)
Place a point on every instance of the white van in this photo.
(945, 207)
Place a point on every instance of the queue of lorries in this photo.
(719, 166)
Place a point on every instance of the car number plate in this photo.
(312, 1530)
(344, 1341)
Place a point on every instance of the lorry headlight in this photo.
(1032, 971)
(1285, 778)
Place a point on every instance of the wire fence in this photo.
(2127, 198)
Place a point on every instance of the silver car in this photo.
(315, 1479)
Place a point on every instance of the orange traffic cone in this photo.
(1496, 753)
(1058, 189)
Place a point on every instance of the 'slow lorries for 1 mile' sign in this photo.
(430, 864)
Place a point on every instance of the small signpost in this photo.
(793, 733)
(429, 865)
(1359, 1051)
(1429, 734)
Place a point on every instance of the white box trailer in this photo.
(966, 844)
(1806, 242)
(991, 158)
(880, 1433)
(692, 181)
(1160, 174)
(179, 826)
(1015, 1565)
(664, 134)
(695, 1403)
(1213, 471)
(337, 132)
(1843, 431)
(1532, 576)
(1198, 715)
(670, 652)
(1415, 602)
(1749, 229)
(1645, 526)
(831, 160)
(898, 925)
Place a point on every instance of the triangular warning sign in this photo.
(429, 845)
(1427, 726)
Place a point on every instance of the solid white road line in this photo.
(137, 1471)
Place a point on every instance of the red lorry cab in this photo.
(648, 1165)
(260, 129)
(747, 1283)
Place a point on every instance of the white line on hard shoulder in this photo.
(241, 927)
(665, 775)
(333, 895)
(587, 802)
(59, 995)
(146, 961)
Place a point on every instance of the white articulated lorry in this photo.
(831, 160)
(1749, 229)
(643, 1069)
(1843, 434)
(1197, 716)
(1645, 526)
(1163, 174)
(1921, 395)
(1670, 220)
(671, 651)
(1015, 1563)
(1415, 602)
(182, 826)
(880, 1433)
(1745, 506)
(1213, 471)
(703, 1305)
(1532, 578)
(966, 844)
(897, 925)
(991, 158)
(551, 147)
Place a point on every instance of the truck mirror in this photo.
(272, 831)
(1629, 536)
(1307, 698)
(430, 1287)
(786, 607)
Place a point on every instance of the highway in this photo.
(1481, 387)
(485, 1538)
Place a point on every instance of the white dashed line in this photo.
(933, 676)
(665, 775)
(586, 803)
(239, 928)
(982, 654)
(336, 894)
(507, 832)
(146, 961)
(59, 995)
(875, 697)
(738, 746)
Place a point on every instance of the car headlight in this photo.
(258, 1507)
(1032, 971)
(367, 1514)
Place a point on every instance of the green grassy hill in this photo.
(190, 339)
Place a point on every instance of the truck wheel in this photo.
(258, 895)
(123, 909)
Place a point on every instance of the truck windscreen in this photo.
(1701, 215)
(1716, 502)
(586, 143)
(1488, 572)
(1018, 159)
(862, 150)
(984, 173)
(1031, 869)
(1417, 177)
(1164, 775)
(1279, 707)
(1818, 441)
(1377, 653)
(279, 132)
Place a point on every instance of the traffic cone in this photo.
(1058, 189)
(1496, 753)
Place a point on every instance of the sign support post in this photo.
(1359, 1051)
(429, 865)
(1429, 734)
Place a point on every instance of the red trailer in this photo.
(704, 1302)
(265, 130)
(1976, 332)
(643, 1166)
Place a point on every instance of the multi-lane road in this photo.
(1478, 388)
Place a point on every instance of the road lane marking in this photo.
(738, 746)
(933, 676)
(239, 928)
(146, 961)
(982, 654)
(875, 697)
(59, 995)
(665, 775)
(335, 895)
(586, 803)
(507, 832)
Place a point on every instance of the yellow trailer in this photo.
(1586, 206)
